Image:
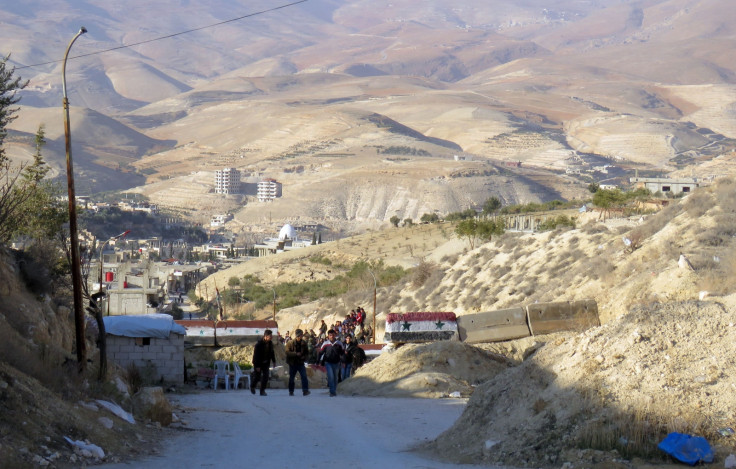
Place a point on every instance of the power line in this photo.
(169, 35)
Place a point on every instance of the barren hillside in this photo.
(642, 85)
(660, 362)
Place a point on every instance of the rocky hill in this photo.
(660, 362)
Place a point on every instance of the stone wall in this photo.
(165, 356)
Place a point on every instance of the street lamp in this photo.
(102, 249)
(374, 305)
(73, 238)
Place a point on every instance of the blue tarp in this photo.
(687, 448)
(146, 325)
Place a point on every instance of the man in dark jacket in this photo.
(297, 351)
(354, 356)
(262, 357)
(331, 353)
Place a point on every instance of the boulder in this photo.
(151, 403)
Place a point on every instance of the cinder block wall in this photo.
(166, 355)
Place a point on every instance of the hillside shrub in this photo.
(724, 191)
(557, 222)
(320, 260)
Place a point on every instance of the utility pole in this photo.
(73, 236)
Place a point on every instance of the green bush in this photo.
(556, 222)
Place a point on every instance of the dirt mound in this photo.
(425, 370)
(622, 386)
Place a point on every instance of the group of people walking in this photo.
(339, 359)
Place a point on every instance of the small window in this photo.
(665, 188)
(685, 189)
(142, 341)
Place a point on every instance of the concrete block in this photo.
(579, 315)
(493, 326)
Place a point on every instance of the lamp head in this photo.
(82, 30)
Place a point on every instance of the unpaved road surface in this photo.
(236, 429)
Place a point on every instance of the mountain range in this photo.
(359, 107)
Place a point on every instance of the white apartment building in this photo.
(268, 189)
(227, 181)
(220, 219)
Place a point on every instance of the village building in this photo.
(665, 185)
(287, 240)
(220, 219)
(227, 181)
(268, 190)
(154, 344)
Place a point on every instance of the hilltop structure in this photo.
(227, 181)
(268, 189)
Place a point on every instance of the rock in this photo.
(487, 446)
(105, 422)
(88, 406)
(151, 403)
(122, 387)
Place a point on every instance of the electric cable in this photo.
(168, 35)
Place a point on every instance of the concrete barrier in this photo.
(420, 327)
(225, 333)
(544, 318)
(493, 326)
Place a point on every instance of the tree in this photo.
(468, 229)
(408, 222)
(41, 213)
(430, 218)
(607, 199)
(593, 187)
(9, 87)
(14, 191)
(491, 206)
(487, 228)
(395, 221)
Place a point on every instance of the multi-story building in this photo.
(227, 181)
(268, 189)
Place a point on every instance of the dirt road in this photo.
(236, 429)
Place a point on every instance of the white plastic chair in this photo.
(238, 375)
(222, 371)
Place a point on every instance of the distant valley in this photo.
(360, 109)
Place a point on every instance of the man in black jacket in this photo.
(262, 357)
(330, 353)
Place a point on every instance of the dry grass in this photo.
(638, 432)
